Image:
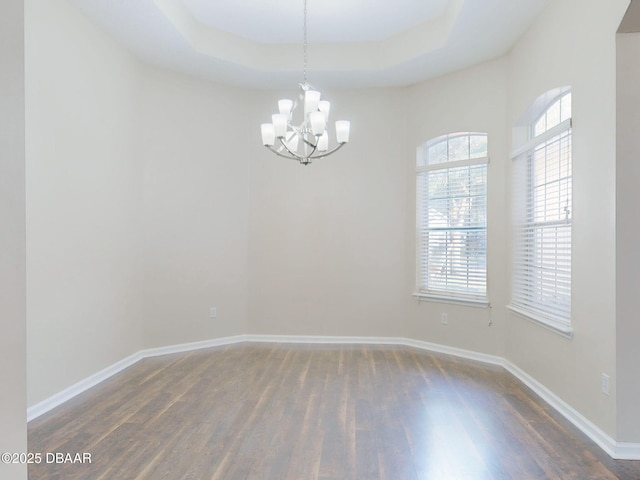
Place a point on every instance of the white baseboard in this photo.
(77, 388)
(408, 342)
(616, 450)
(587, 427)
(187, 347)
(626, 451)
(456, 352)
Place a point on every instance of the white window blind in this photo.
(542, 209)
(451, 190)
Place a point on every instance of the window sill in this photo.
(546, 322)
(469, 302)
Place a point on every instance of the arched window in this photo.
(451, 223)
(542, 210)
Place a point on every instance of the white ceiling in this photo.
(329, 21)
(352, 43)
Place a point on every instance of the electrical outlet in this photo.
(444, 319)
(213, 312)
(605, 384)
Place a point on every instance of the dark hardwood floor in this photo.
(301, 412)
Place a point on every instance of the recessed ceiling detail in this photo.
(352, 43)
(343, 56)
(330, 21)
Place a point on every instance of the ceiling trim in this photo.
(348, 56)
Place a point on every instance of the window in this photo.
(451, 223)
(542, 209)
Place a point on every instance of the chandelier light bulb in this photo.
(342, 131)
(311, 100)
(285, 106)
(280, 121)
(324, 106)
(323, 142)
(268, 134)
(316, 119)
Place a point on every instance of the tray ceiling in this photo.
(352, 43)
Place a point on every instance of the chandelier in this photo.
(303, 137)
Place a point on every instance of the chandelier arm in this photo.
(309, 143)
(329, 152)
(305, 159)
(291, 155)
(312, 145)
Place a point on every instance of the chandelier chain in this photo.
(305, 43)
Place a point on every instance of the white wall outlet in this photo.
(444, 319)
(213, 312)
(605, 384)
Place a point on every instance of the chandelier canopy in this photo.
(303, 137)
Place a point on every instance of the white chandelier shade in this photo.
(303, 135)
(308, 139)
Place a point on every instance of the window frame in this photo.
(530, 279)
(423, 169)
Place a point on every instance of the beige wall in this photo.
(327, 241)
(191, 138)
(83, 200)
(573, 43)
(137, 203)
(627, 236)
(13, 421)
